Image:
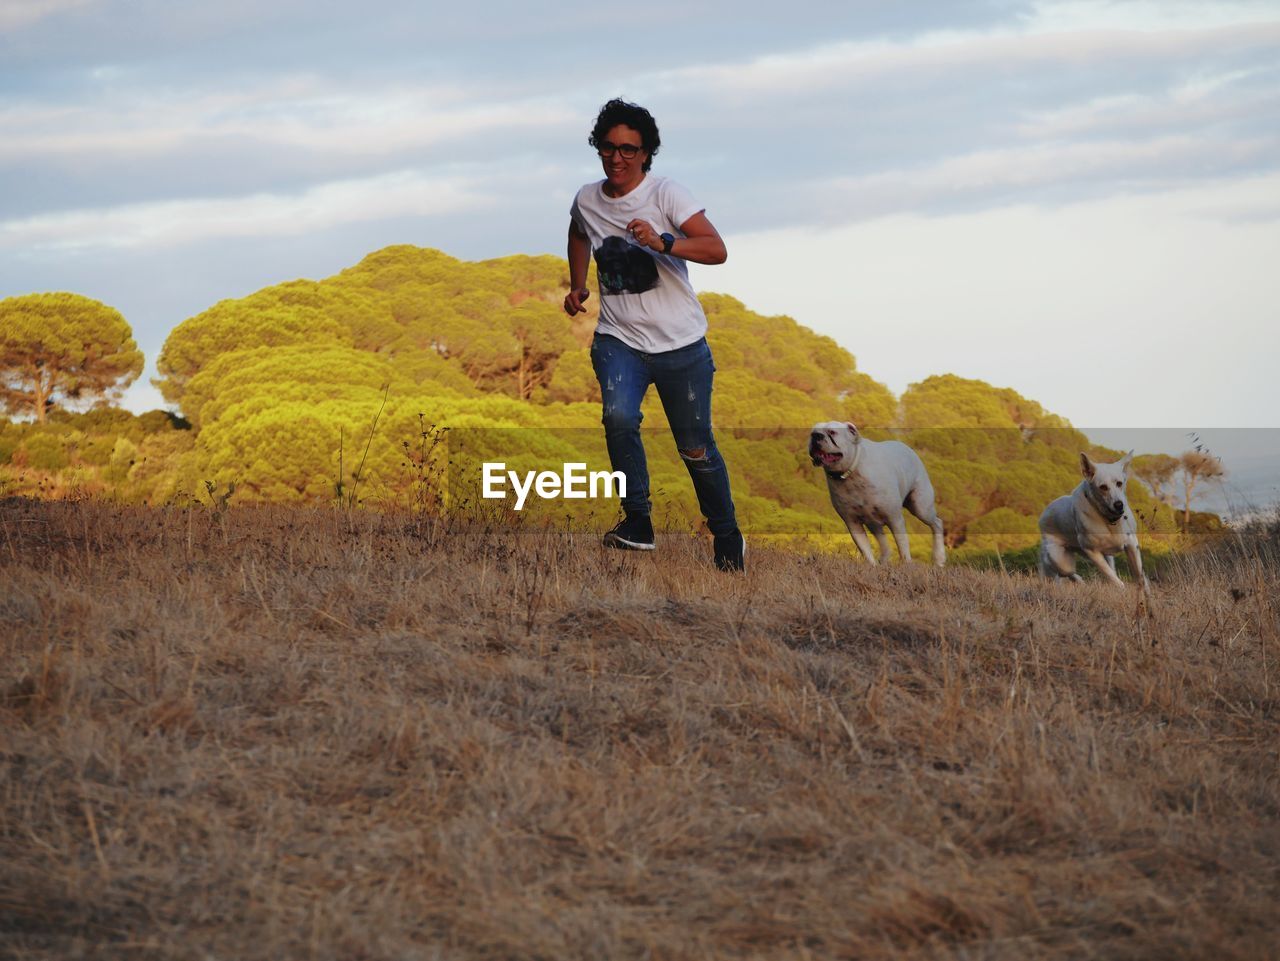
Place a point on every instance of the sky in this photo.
(1079, 199)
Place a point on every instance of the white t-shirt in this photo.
(646, 300)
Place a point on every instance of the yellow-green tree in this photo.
(991, 451)
(777, 351)
(946, 400)
(866, 402)
(745, 400)
(61, 346)
(1003, 529)
(283, 385)
(541, 333)
(294, 372)
(232, 325)
(574, 379)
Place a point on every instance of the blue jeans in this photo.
(683, 378)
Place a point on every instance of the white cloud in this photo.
(840, 64)
(21, 13)
(297, 112)
(1207, 100)
(1043, 167)
(1072, 15)
(403, 194)
(1137, 312)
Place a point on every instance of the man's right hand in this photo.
(573, 301)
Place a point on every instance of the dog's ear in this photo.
(1086, 466)
(852, 429)
(1125, 462)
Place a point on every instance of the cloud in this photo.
(1206, 100)
(1138, 311)
(402, 194)
(301, 112)
(845, 63)
(941, 117)
(1026, 112)
(1040, 172)
(1070, 15)
(15, 14)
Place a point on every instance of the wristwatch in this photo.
(667, 241)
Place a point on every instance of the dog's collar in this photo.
(857, 456)
(1108, 514)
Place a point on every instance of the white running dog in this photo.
(1094, 520)
(870, 482)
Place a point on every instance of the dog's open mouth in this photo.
(828, 458)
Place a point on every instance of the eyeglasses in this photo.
(628, 150)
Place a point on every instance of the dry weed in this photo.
(267, 733)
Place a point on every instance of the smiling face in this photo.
(622, 174)
(832, 445)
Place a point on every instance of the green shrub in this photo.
(45, 451)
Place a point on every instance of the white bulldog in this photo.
(870, 483)
(1094, 520)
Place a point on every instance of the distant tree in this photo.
(1026, 487)
(775, 349)
(60, 346)
(281, 388)
(746, 400)
(124, 454)
(1002, 529)
(159, 466)
(259, 320)
(47, 452)
(867, 402)
(542, 333)
(965, 491)
(295, 371)
(1157, 470)
(945, 400)
(1193, 467)
(574, 379)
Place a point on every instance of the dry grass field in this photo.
(270, 733)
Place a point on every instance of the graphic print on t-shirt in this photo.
(624, 268)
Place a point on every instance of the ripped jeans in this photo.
(683, 378)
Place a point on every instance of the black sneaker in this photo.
(633, 533)
(731, 551)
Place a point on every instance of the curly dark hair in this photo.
(618, 111)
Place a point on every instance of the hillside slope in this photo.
(341, 390)
(261, 732)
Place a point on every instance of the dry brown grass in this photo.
(270, 733)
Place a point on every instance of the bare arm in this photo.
(701, 242)
(579, 261)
